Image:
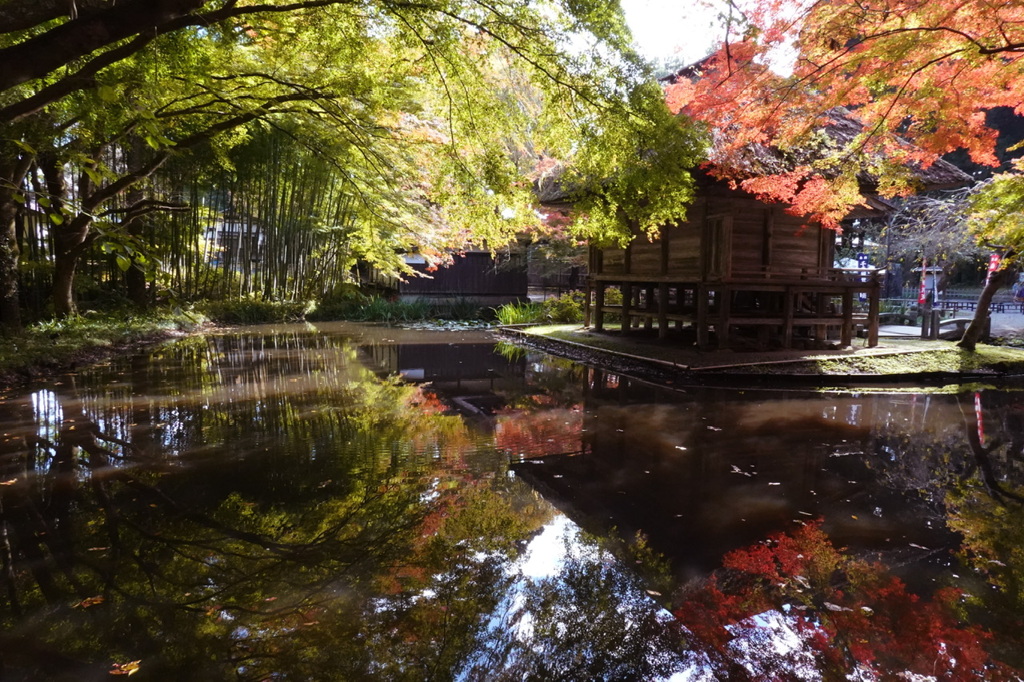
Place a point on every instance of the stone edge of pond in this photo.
(790, 371)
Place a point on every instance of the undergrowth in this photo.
(59, 343)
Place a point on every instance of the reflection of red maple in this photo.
(427, 401)
(849, 614)
(549, 432)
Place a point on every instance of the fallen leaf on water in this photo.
(91, 601)
(129, 668)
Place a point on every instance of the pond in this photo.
(347, 502)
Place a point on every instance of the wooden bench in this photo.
(953, 329)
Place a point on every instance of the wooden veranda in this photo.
(813, 307)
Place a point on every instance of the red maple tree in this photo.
(919, 70)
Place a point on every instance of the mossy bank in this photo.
(894, 361)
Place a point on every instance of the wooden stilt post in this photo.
(846, 339)
(787, 317)
(627, 304)
(663, 310)
(874, 302)
(724, 312)
(587, 302)
(702, 316)
(648, 307)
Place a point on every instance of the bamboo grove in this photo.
(280, 229)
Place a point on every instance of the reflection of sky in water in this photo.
(47, 413)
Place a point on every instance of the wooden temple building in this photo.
(741, 271)
(737, 268)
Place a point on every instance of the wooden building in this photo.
(473, 275)
(740, 270)
(737, 268)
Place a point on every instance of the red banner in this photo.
(993, 265)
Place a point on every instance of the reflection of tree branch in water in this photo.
(48, 524)
(982, 455)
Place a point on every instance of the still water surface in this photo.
(345, 502)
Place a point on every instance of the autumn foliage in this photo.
(849, 615)
(923, 71)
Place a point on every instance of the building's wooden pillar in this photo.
(874, 295)
(788, 301)
(648, 307)
(599, 305)
(724, 312)
(627, 304)
(846, 338)
(587, 302)
(702, 315)
(663, 233)
(662, 310)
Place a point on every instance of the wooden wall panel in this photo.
(748, 240)
(684, 252)
(645, 259)
(794, 248)
(614, 262)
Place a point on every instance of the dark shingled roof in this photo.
(840, 129)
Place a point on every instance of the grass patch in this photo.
(934, 360)
(255, 311)
(519, 313)
(58, 344)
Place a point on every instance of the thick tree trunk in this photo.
(64, 266)
(977, 326)
(69, 236)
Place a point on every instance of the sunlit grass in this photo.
(897, 357)
(57, 343)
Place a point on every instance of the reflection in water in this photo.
(282, 504)
(891, 480)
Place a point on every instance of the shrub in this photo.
(343, 303)
(255, 311)
(565, 309)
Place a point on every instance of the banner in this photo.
(993, 265)
(922, 295)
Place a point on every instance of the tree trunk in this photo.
(64, 266)
(10, 306)
(13, 167)
(977, 326)
(69, 235)
(135, 277)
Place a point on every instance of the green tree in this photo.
(398, 96)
